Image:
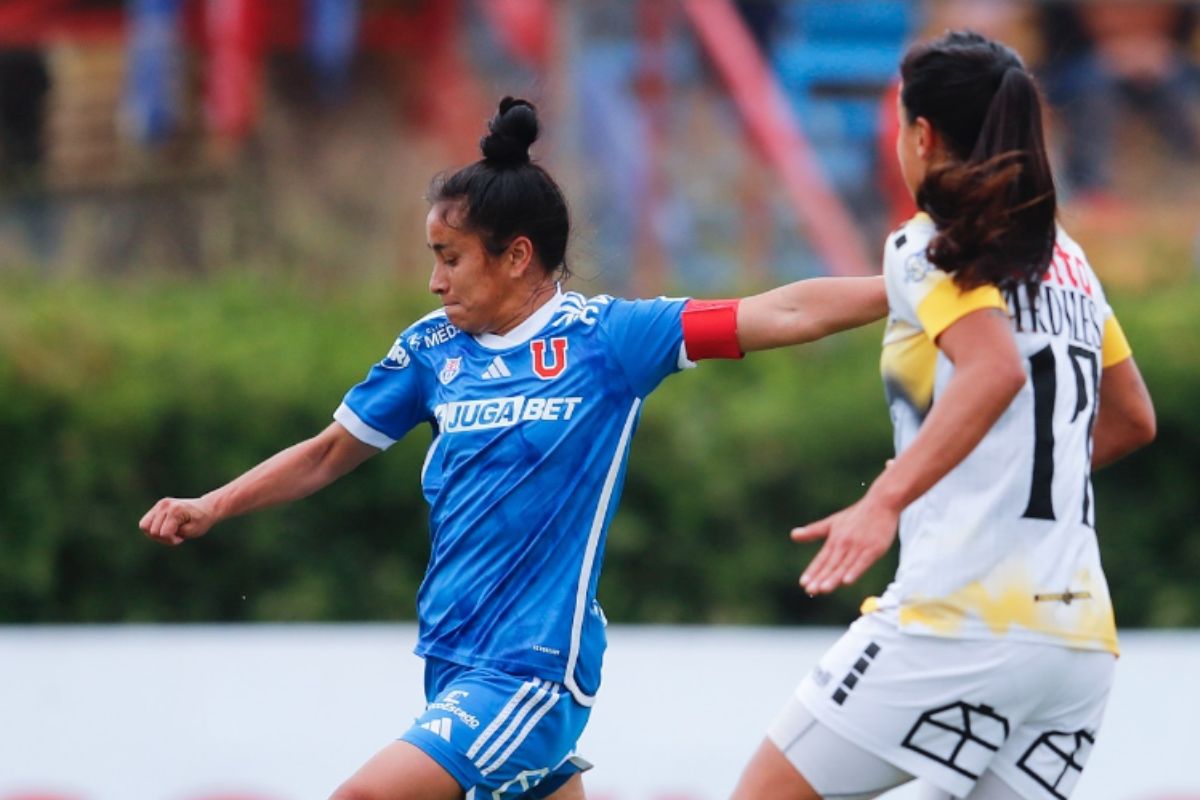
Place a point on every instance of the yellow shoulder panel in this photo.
(946, 304)
(1116, 347)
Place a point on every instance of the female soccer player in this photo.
(533, 395)
(984, 668)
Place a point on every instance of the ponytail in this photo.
(993, 202)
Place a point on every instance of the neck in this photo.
(528, 301)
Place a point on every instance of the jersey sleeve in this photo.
(946, 304)
(388, 403)
(646, 337)
(1116, 347)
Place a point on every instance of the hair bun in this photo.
(510, 133)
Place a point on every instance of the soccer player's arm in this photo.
(793, 314)
(373, 415)
(808, 310)
(288, 475)
(1125, 420)
(972, 330)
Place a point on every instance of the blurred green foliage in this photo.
(116, 393)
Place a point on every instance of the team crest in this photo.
(549, 362)
(916, 267)
(450, 370)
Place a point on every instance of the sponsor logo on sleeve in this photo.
(397, 357)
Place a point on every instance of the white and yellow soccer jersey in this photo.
(1003, 545)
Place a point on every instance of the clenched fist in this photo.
(173, 520)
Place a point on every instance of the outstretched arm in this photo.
(808, 310)
(288, 475)
(1125, 420)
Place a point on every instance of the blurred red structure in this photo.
(524, 27)
(280, 23)
(772, 125)
(233, 38)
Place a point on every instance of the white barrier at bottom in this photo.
(287, 712)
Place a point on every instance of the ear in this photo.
(519, 256)
(927, 138)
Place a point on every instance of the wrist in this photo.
(212, 505)
(887, 492)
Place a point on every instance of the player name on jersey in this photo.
(1066, 304)
(502, 412)
(1059, 311)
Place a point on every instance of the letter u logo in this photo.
(548, 366)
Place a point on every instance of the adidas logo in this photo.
(439, 726)
(497, 369)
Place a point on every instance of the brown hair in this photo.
(506, 195)
(993, 201)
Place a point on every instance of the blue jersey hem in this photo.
(507, 666)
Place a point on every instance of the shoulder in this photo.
(612, 314)
(904, 257)
(419, 338)
(576, 309)
(913, 234)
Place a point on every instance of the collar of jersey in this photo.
(527, 329)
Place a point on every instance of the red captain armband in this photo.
(710, 329)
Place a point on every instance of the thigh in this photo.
(770, 775)
(500, 735)
(805, 760)
(400, 771)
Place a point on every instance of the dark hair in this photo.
(505, 195)
(993, 202)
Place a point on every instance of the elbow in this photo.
(1010, 378)
(1144, 428)
(1137, 419)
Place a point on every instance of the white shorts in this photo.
(949, 710)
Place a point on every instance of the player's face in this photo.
(469, 280)
(912, 147)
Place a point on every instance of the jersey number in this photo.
(1043, 374)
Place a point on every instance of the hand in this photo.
(855, 538)
(172, 521)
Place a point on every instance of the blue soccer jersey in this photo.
(531, 436)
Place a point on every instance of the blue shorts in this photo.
(503, 735)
